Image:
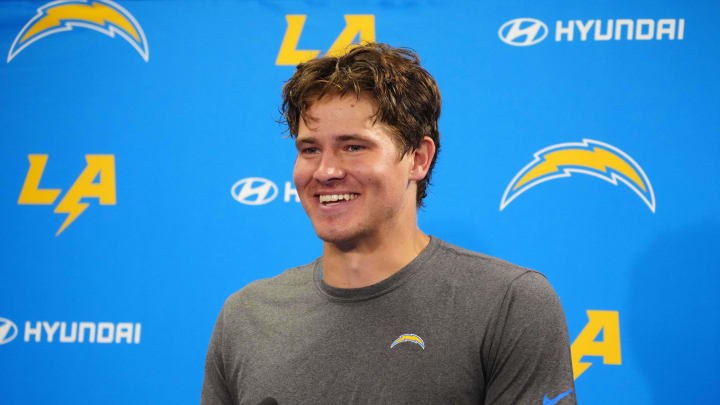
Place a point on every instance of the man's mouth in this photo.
(331, 199)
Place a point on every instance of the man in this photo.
(388, 314)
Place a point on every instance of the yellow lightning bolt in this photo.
(96, 13)
(598, 159)
(71, 206)
(104, 190)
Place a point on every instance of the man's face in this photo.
(349, 175)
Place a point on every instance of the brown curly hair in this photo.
(408, 99)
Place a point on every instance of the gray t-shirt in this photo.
(451, 327)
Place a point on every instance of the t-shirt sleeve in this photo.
(215, 389)
(529, 356)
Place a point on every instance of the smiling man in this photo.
(388, 314)
(359, 189)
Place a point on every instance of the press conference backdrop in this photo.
(145, 178)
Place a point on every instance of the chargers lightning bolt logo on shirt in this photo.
(408, 337)
(103, 16)
(587, 157)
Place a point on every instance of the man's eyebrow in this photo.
(340, 138)
(303, 141)
(351, 137)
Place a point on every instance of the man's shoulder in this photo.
(488, 278)
(468, 263)
(283, 286)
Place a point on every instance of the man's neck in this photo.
(372, 260)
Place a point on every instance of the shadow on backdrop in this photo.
(673, 315)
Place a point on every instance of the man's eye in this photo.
(354, 148)
(308, 151)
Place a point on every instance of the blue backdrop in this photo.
(145, 179)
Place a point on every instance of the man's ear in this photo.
(422, 157)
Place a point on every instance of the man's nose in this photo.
(330, 168)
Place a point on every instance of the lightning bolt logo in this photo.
(97, 180)
(103, 16)
(73, 208)
(100, 167)
(408, 337)
(589, 157)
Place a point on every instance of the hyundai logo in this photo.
(254, 191)
(523, 32)
(8, 331)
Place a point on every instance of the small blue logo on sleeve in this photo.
(548, 401)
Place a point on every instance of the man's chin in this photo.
(334, 236)
(342, 238)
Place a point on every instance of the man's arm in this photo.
(529, 356)
(215, 388)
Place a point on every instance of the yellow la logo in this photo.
(363, 25)
(607, 322)
(98, 166)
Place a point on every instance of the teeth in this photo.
(336, 197)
